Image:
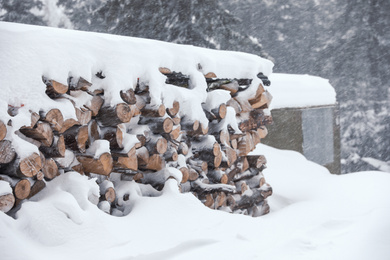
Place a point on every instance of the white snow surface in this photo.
(314, 215)
(294, 91)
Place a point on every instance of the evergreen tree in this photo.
(202, 23)
(21, 11)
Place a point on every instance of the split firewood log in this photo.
(7, 152)
(127, 161)
(142, 156)
(248, 174)
(26, 167)
(260, 209)
(7, 201)
(183, 148)
(3, 130)
(54, 117)
(262, 131)
(76, 138)
(209, 201)
(256, 98)
(102, 165)
(107, 191)
(50, 169)
(84, 116)
(22, 189)
(80, 84)
(193, 174)
(171, 154)
(95, 104)
(188, 125)
(198, 165)
(202, 130)
(128, 96)
(155, 163)
(157, 144)
(153, 111)
(203, 188)
(217, 176)
(68, 123)
(263, 101)
(94, 131)
(142, 100)
(220, 200)
(210, 75)
(256, 119)
(185, 174)
(110, 116)
(257, 161)
(57, 148)
(41, 132)
(230, 156)
(174, 110)
(54, 89)
(36, 188)
(234, 104)
(216, 113)
(249, 199)
(157, 125)
(174, 134)
(114, 135)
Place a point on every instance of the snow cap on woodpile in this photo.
(62, 54)
(293, 91)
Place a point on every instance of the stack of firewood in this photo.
(139, 141)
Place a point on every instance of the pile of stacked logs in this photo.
(139, 141)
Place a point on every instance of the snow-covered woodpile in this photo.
(144, 136)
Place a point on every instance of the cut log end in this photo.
(22, 189)
(7, 201)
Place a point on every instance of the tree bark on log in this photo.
(36, 188)
(7, 152)
(110, 116)
(157, 125)
(57, 149)
(41, 132)
(76, 138)
(157, 145)
(153, 111)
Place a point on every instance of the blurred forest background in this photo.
(345, 41)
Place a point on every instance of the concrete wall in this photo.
(312, 131)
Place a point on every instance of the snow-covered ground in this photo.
(314, 215)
